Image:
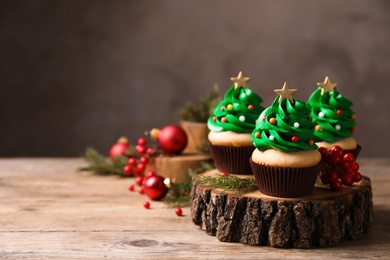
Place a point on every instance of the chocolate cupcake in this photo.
(231, 126)
(334, 119)
(286, 161)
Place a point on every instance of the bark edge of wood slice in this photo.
(321, 219)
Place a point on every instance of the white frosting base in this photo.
(229, 138)
(348, 143)
(277, 158)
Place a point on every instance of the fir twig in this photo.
(101, 165)
(201, 111)
(228, 183)
(179, 194)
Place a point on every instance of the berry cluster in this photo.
(137, 166)
(149, 183)
(339, 168)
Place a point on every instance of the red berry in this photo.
(356, 176)
(336, 153)
(131, 187)
(325, 179)
(335, 159)
(146, 204)
(128, 170)
(150, 151)
(251, 107)
(346, 165)
(349, 157)
(224, 173)
(327, 158)
(141, 167)
(335, 148)
(139, 180)
(352, 129)
(142, 141)
(141, 191)
(336, 185)
(347, 179)
(149, 174)
(137, 172)
(179, 212)
(144, 160)
(354, 167)
(323, 151)
(132, 161)
(339, 112)
(333, 176)
(140, 149)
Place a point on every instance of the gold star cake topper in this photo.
(240, 80)
(326, 86)
(286, 93)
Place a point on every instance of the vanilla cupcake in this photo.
(286, 161)
(334, 119)
(231, 126)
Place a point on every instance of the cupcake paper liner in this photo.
(285, 182)
(232, 159)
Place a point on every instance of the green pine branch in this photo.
(102, 165)
(228, 183)
(201, 111)
(179, 194)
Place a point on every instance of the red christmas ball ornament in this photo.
(119, 148)
(171, 138)
(155, 187)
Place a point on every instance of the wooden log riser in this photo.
(282, 223)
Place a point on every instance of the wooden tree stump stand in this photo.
(321, 219)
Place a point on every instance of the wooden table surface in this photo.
(49, 210)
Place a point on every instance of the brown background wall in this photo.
(81, 73)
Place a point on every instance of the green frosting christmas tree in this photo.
(285, 125)
(239, 109)
(331, 112)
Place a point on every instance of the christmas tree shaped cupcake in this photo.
(286, 161)
(334, 118)
(231, 126)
